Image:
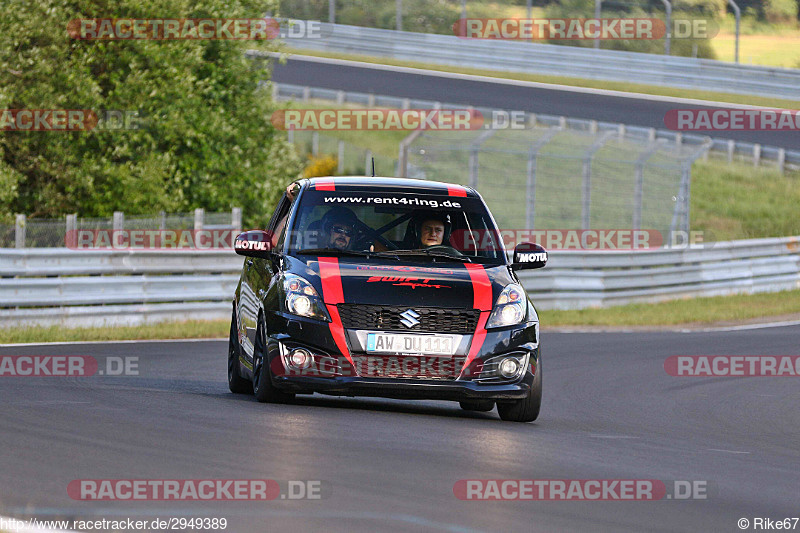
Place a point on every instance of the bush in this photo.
(206, 140)
(326, 165)
(780, 10)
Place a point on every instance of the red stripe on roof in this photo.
(326, 184)
(455, 190)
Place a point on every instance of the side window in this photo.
(277, 226)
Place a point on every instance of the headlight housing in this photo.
(302, 299)
(510, 307)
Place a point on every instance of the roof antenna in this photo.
(373, 167)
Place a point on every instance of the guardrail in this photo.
(557, 60)
(94, 287)
(726, 148)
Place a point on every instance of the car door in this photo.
(257, 275)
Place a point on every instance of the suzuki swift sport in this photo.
(387, 287)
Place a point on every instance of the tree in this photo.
(205, 139)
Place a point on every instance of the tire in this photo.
(526, 410)
(483, 406)
(263, 387)
(236, 383)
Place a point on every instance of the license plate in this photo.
(413, 344)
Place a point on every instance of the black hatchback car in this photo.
(387, 287)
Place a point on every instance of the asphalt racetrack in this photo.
(636, 110)
(610, 411)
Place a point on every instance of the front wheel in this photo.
(263, 388)
(527, 409)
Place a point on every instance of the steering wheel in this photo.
(445, 248)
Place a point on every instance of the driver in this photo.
(338, 228)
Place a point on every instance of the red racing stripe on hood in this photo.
(482, 299)
(332, 294)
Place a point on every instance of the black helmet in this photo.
(339, 214)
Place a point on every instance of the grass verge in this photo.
(194, 329)
(695, 311)
(689, 312)
(563, 80)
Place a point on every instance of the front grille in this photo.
(409, 367)
(431, 319)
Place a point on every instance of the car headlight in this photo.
(302, 299)
(510, 307)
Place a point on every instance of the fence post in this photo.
(71, 235)
(731, 149)
(533, 156)
(236, 218)
(368, 163)
(402, 156)
(371, 100)
(756, 154)
(406, 103)
(306, 93)
(118, 222)
(340, 97)
(19, 232)
(290, 136)
(586, 189)
(782, 160)
(198, 218)
(340, 158)
(473, 157)
(315, 143)
(275, 91)
(638, 186)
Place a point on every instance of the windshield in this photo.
(415, 226)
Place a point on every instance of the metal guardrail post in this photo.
(19, 232)
(533, 156)
(782, 160)
(756, 154)
(198, 218)
(70, 237)
(638, 186)
(118, 222)
(236, 218)
(586, 189)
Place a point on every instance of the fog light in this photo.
(509, 367)
(300, 358)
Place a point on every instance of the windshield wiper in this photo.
(431, 253)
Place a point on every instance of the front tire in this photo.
(526, 410)
(263, 387)
(236, 383)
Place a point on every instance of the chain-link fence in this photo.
(552, 177)
(351, 160)
(52, 233)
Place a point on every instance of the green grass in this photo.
(563, 80)
(195, 329)
(694, 311)
(698, 311)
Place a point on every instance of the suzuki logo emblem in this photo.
(409, 318)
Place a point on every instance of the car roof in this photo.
(388, 184)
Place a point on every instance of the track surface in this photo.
(634, 111)
(610, 411)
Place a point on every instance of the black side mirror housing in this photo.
(253, 243)
(528, 255)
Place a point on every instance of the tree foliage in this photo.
(204, 137)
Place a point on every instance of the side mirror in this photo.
(253, 243)
(528, 255)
